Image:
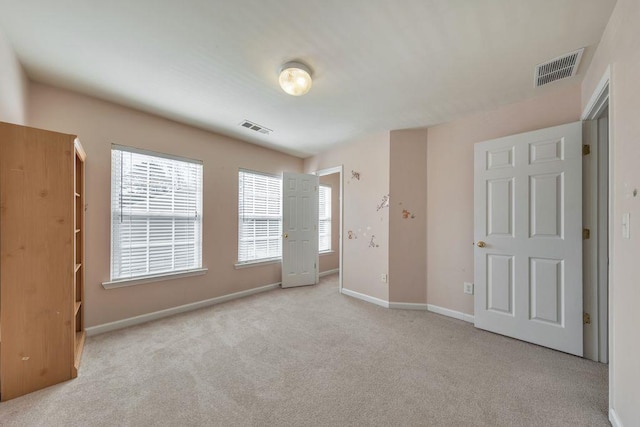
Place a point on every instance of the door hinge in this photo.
(586, 149)
(586, 233)
(314, 266)
(586, 318)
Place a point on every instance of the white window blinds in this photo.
(324, 219)
(259, 216)
(156, 213)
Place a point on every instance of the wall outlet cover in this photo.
(468, 288)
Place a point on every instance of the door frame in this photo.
(601, 99)
(331, 171)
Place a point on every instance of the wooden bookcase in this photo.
(78, 251)
(41, 258)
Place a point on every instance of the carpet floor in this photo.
(313, 357)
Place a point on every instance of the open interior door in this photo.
(528, 236)
(299, 229)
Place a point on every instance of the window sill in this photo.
(327, 252)
(257, 263)
(121, 283)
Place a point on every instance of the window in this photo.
(324, 219)
(259, 217)
(156, 214)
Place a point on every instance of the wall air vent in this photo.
(559, 68)
(255, 127)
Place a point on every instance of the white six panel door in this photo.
(528, 235)
(299, 229)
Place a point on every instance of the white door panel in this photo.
(528, 212)
(300, 229)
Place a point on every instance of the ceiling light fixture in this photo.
(295, 78)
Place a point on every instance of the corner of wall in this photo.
(14, 85)
(365, 210)
(407, 216)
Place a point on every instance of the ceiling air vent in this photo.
(559, 68)
(258, 128)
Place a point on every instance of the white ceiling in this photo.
(377, 64)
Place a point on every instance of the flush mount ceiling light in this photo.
(295, 78)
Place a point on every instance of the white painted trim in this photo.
(257, 263)
(329, 272)
(599, 95)
(602, 95)
(154, 278)
(329, 171)
(614, 419)
(590, 220)
(155, 154)
(367, 298)
(408, 306)
(612, 238)
(143, 318)
(451, 313)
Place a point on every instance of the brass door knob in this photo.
(286, 235)
(481, 244)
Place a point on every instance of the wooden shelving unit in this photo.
(42, 248)
(78, 249)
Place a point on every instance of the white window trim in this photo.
(153, 278)
(155, 154)
(257, 263)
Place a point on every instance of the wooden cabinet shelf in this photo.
(45, 326)
(79, 345)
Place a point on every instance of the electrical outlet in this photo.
(383, 278)
(625, 226)
(468, 288)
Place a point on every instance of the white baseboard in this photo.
(613, 417)
(143, 318)
(367, 298)
(410, 306)
(450, 313)
(407, 306)
(328, 272)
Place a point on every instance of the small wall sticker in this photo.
(372, 243)
(406, 214)
(384, 203)
(352, 235)
(355, 175)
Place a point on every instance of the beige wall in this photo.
(450, 186)
(331, 261)
(99, 124)
(620, 49)
(407, 233)
(14, 86)
(362, 265)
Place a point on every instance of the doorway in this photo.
(596, 214)
(330, 223)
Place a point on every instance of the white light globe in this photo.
(295, 78)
